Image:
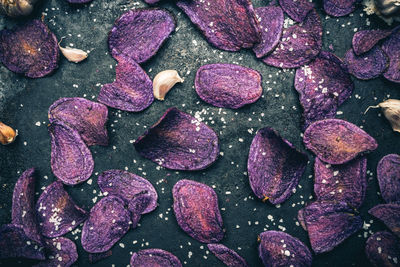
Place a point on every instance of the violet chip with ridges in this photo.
(389, 214)
(388, 174)
(365, 40)
(339, 8)
(228, 256)
(296, 9)
(154, 257)
(60, 252)
(383, 249)
(391, 46)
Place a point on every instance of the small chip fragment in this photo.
(30, 49)
(179, 141)
(108, 222)
(154, 257)
(296, 9)
(345, 183)
(197, 212)
(388, 174)
(228, 25)
(57, 212)
(139, 33)
(383, 249)
(365, 40)
(228, 256)
(228, 85)
(389, 214)
(281, 249)
(132, 89)
(274, 166)
(337, 141)
(96, 257)
(60, 252)
(339, 8)
(71, 159)
(391, 46)
(137, 207)
(85, 116)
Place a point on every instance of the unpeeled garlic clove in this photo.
(73, 54)
(7, 134)
(391, 110)
(164, 81)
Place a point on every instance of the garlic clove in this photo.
(7, 134)
(391, 110)
(73, 54)
(164, 81)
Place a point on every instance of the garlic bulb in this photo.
(391, 110)
(164, 81)
(73, 54)
(16, 8)
(388, 7)
(7, 134)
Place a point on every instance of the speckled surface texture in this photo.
(24, 104)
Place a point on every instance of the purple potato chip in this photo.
(337, 141)
(300, 218)
(339, 8)
(228, 85)
(197, 212)
(152, 2)
(388, 174)
(389, 214)
(367, 66)
(57, 212)
(383, 249)
(131, 91)
(329, 223)
(137, 206)
(154, 257)
(15, 244)
(323, 86)
(228, 25)
(274, 166)
(391, 46)
(108, 222)
(96, 257)
(71, 159)
(299, 44)
(30, 49)
(296, 9)
(23, 210)
(85, 116)
(344, 183)
(139, 33)
(281, 249)
(228, 256)
(271, 25)
(179, 141)
(363, 41)
(61, 252)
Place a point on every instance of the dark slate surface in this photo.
(24, 103)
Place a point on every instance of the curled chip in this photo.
(228, 256)
(137, 206)
(337, 141)
(299, 44)
(388, 174)
(154, 257)
(296, 9)
(391, 46)
(389, 214)
(228, 85)
(71, 159)
(274, 166)
(30, 49)
(323, 86)
(85, 116)
(197, 212)
(57, 212)
(139, 33)
(363, 41)
(15, 244)
(367, 66)
(179, 141)
(383, 249)
(132, 89)
(271, 25)
(281, 249)
(60, 252)
(228, 25)
(23, 211)
(96, 257)
(345, 183)
(329, 223)
(108, 222)
(339, 8)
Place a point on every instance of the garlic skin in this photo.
(73, 54)
(391, 110)
(164, 81)
(16, 8)
(7, 134)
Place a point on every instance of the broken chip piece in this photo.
(274, 166)
(389, 214)
(60, 252)
(228, 25)
(391, 46)
(281, 249)
(228, 256)
(197, 212)
(154, 257)
(137, 207)
(383, 249)
(108, 222)
(388, 174)
(139, 33)
(337, 141)
(365, 40)
(30, 49)
(296, 9)
(85, 116)
(228, 85)
(179, 141)
(57, 212)
(339, 8)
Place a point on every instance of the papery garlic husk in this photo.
(7, 134)
(164, 81)
(391, 110)
(16, 8)
(73, 54)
